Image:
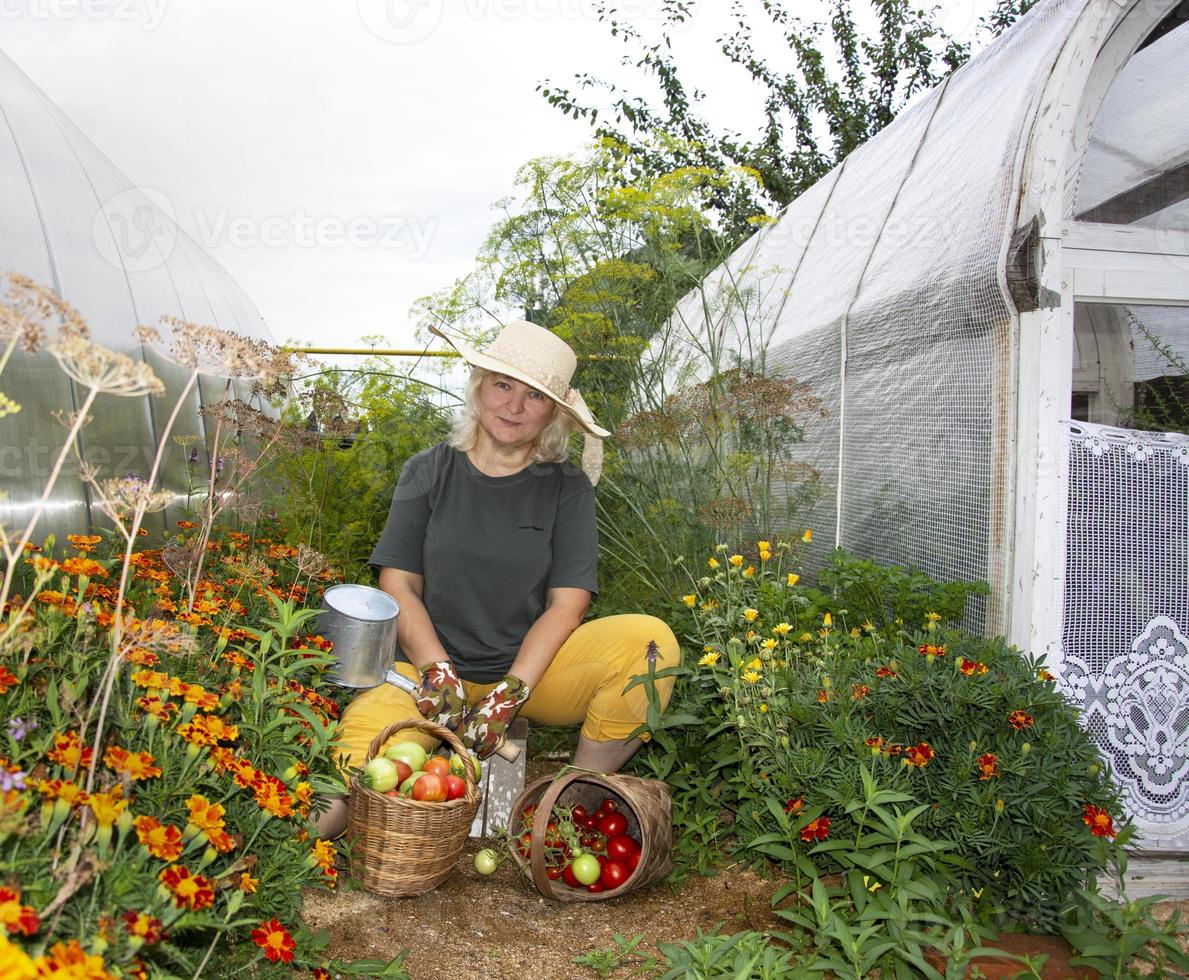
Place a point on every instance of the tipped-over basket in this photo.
(646, 803)
(401, 846)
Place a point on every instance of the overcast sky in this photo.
(339, 158)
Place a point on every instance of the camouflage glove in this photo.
(486, 724)
(441, 698)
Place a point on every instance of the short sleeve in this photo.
(400, 544)
(575, 538)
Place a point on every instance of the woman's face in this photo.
(511, 413)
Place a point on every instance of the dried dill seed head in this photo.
(30, 308)
(122, 497)
(212, 350)
(95, 366)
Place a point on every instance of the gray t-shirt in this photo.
(489, 548)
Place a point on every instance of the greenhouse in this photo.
(983, 295)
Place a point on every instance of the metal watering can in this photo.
(361, 622)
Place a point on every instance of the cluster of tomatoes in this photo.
(407, 770)
(590, 850)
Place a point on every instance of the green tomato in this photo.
(409, 753)
(486, 861)
(586, 868)
(458, 767)
(406, 788)
(380, 775)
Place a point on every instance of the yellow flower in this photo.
(751, 635)
(752, 676)
(765, 555)
(763, 709)
(708, 605)
(750, 614)
(749, 571)
(827, 620)
(854, 632)
(781, 629)
(932, 617)
(756, 664)
(709, 659)
(869, 626)
(690, 600)
(768, 644)
(764, 545)
(807, 536)
(107, 807)
(712, 562)
(736, 560)
(794, 578)
(804, 638)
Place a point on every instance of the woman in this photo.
(491, 550)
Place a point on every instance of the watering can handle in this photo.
(509, 752)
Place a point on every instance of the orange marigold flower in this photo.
(187, 525)
(71, 960)
(60, 789)
(274, 939)
(818, 829)
(192, 892)
(15, 917)
(859, 691)
(204, 814)
(69, 752)
(794, 806)
(876, 743)
(1044, 675)
(988, 767)
(882, 672)
(238, 660)
(84, 566)
(245, 774)
(151, 679)
(208, 730)
(1019, 720)
(161, 710)
(823, 696)
(931, 650)
(221, 841)
(84, 542)
(918, 755)
(162, 841)
(971, 667)
(273, 797)
(247, 883)
(135, 765)
(323, 853)
(320, 974)
(143, 926)
(1099, 820)
(7, 680)
(108, 806)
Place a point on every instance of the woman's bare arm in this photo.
(415, 633)
(564, 609)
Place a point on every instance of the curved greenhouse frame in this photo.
(930, 289)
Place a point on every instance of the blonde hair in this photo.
(552, 445)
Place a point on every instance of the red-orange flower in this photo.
(7, 680)
(918, 755)
(135, 765)
(1099, 820)
(151, 679)
(84, 566)
(163, 841)
(794, 806)
(84, 542)
(274, 939)
(988, 766)
(69, 959)
(141, 925)
(1044, 675)
(69, 752)
(883, 672)
(1019, 720)
(189, 891)
(931, 650)
(272, 796)
(154, 706)
(818, 829)
(971, 667)
(859, 691)
(187, 525)
(823, 696)
(204, 814)
(14, 916)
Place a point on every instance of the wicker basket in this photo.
(647, 804)
(401, 846)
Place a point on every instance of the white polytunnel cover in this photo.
(71, 221)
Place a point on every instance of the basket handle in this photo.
(545, 806)
(470, 777)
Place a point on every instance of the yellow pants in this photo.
(584, 684)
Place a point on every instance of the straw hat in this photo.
(538, 358)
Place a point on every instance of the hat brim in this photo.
(478, 359)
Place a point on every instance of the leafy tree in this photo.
(839, 88)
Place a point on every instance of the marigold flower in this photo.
(107, 806)
(690, 600)
(1099, 820)
(194, 892)
(273, 797)
(69, 959)
(7, 679)
(750, 614)
(971, 667)
(187, 525)
(932, 617)
(320, 974)
(918, 755)
(807, 536)
(156, 708)
(221, 841)
(876, 744)
(793, 578)
(135, 765)
(83, 566)
(274, 939)
(244, 773)
(931, 650)
(988, 766)
(1044, 675)
(15, 917)
(708, 659)
(1019, 720)
(818, 829)
(765, 554)
(859, 691)
(69, 752)
(883, 672)
(794, 806)
(323, 853)
(162, 841)
(823, 696)
(62, 789)
(749, 571)
(150, 679)
(204, 814)
(247, 883)
(764, 545)
(145, 927)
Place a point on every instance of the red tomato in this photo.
(555, 871)
(598, 886)
(634, 859)
(430, 787)
(456, 786)
(607, 806)
(403, 771)
(598, 846)
(620, 847)
(567, 875)
(614, 874)
(439, 765)
(578, 813)
(613, 824)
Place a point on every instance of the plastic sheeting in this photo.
(72, 221)
(1125, 652)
